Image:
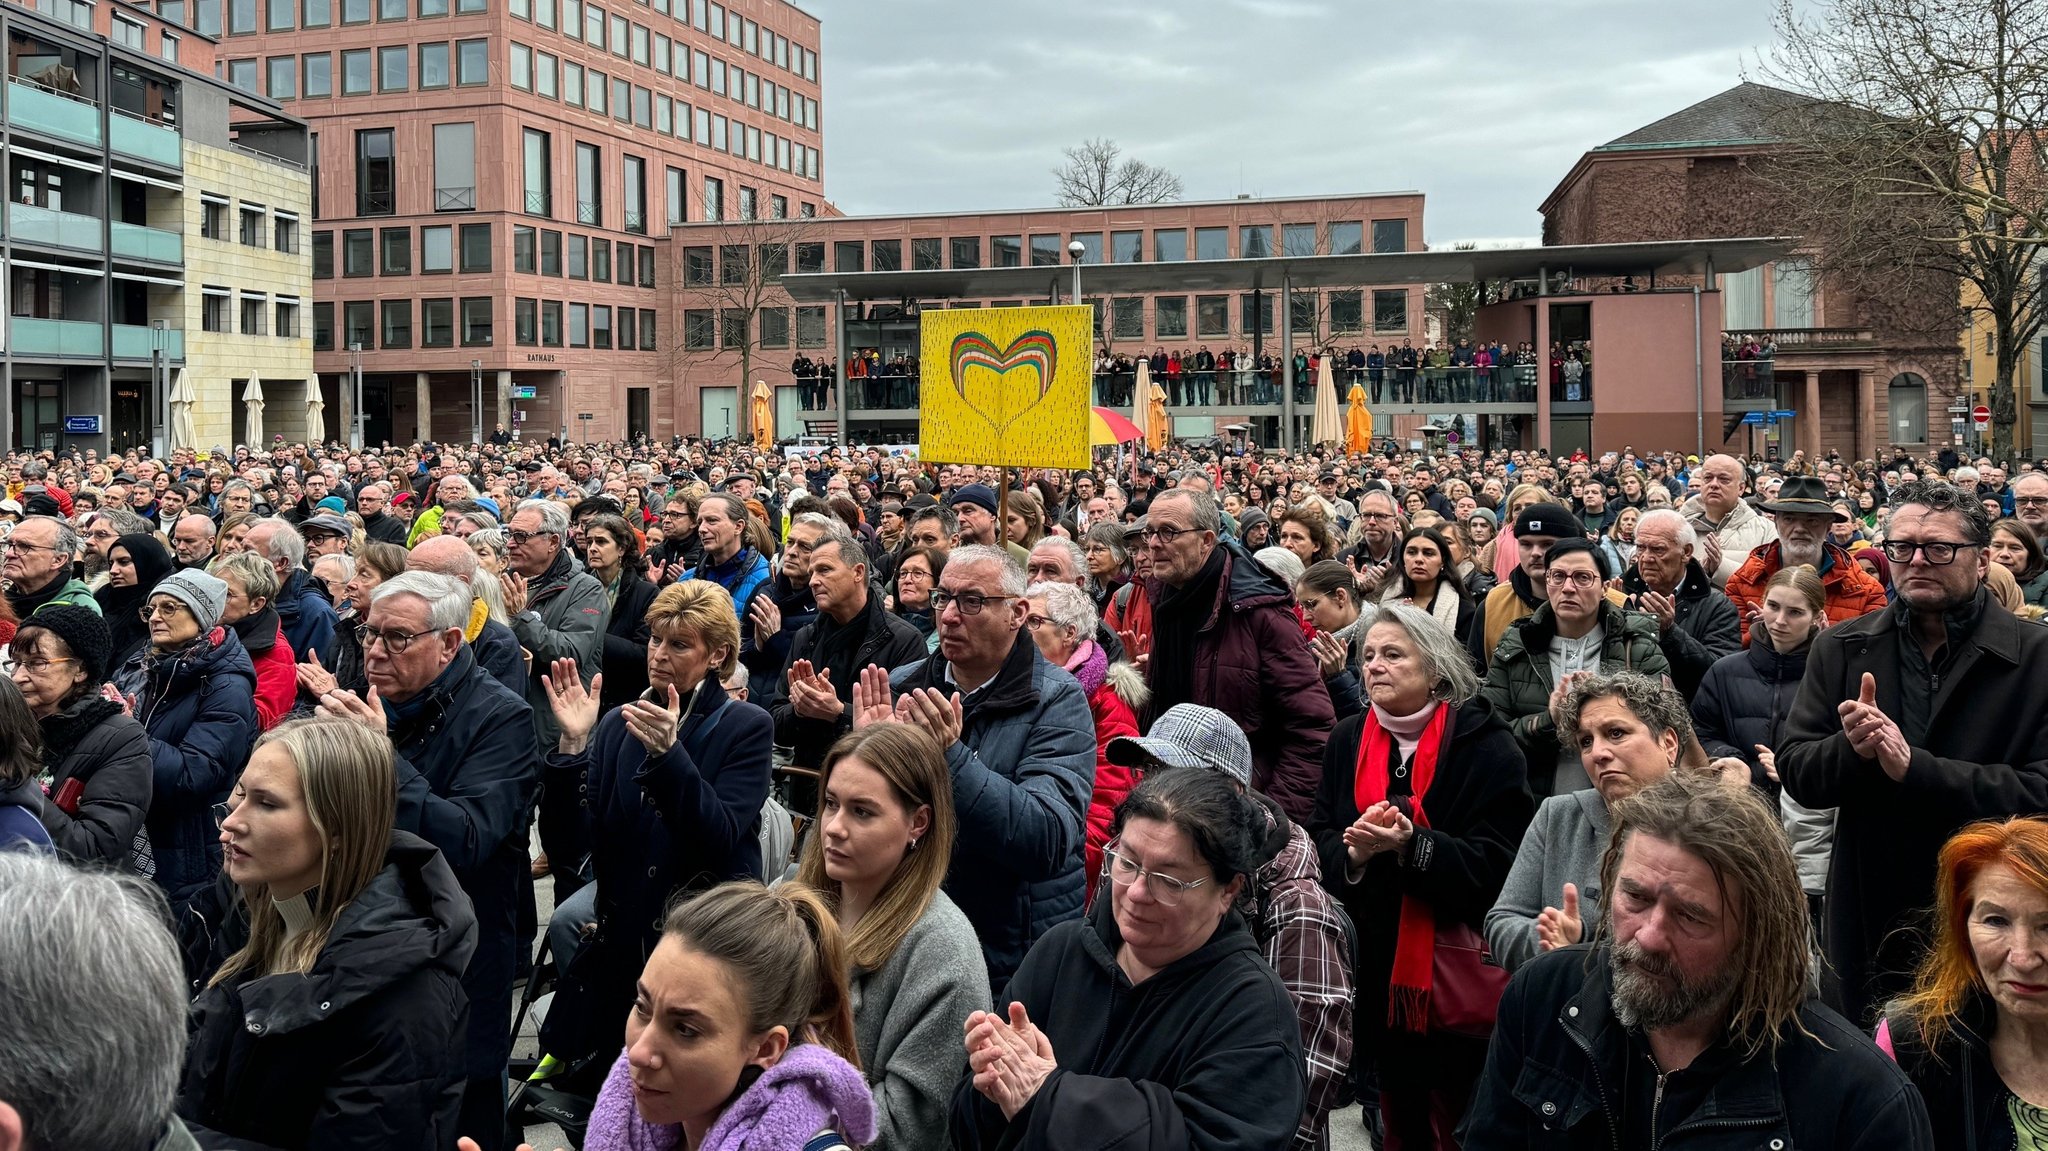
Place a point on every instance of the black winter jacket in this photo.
(467, 770)
(1706, 628)
(108, 752)
(1556, 1071)
(890, 642)
(1746, 699)
(625, 642)
(1966, 1098)
(1203, 1056)
(364, 1050)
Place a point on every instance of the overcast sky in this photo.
(1483, 105)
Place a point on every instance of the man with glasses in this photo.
(681, 547)
(1020, 745)
(1804, 515)
(466, 772)
(2030, 503)
(1224, 635)
(37, 568)
(1373, 557)
(1914, 721)
(379, 525)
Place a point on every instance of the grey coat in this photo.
(906, 1021)
(565, 618)
(1563, 845)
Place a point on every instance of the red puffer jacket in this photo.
(1115, 693)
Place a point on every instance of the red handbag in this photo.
(1464, 986)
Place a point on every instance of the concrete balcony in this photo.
(65, 339)
(134, 136)
(135, 342)
(53, 114)
(151, 245)
(29, 224)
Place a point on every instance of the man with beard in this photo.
(1372, 557)
(1804, 514)
(1689, 1011)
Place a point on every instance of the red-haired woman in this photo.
(1973, 1032)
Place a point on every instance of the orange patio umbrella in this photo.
(1357, 423)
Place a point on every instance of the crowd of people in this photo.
(1631, 800)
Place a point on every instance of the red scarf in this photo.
(1415, 942)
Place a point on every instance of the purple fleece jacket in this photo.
(808, 1091)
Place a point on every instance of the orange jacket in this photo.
(1851, 590)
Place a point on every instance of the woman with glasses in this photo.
(135, 565)
(375, 563)
(1156, 1009)
(917, 573)
(1062, 622)
(95, 760)
(879, 855)
(194, 689)
(1109, 559)
(329, 953)
(1424, 799)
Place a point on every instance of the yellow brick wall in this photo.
(218, 363)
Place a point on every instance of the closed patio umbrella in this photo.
(316, 414)
(1358, 423)
(182, 397)
(1326, 427)
(252, 406)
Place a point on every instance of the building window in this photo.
(287, 320)
(1297, 239)
(810, 327)
(539, 178)
(242, 74)
(397, 323)
(634, 180)
(213, 219)
(167, 47)
(1127, 247)
(437, 249)
(323, 327)
(391, 68)
(1389, 310)
(888, 255)
(579, 325)
(1212, 316)
(1907, 397)
(476, 247)
(647, 266)
(395, 252)
(774, 327)
(698, 267)
(1127, 317)
(358, 323)
(579, 257)
(734, 328)
(966, 251)
(316, 13)
(356, 253)
(316, 75)
(1792, 283)
(1212, 243)
(551, 323)
(1170, 317)
(522, 67)
(1254, 241)
(437, 323)
(455, 167)
(252, 226)
(1006, 251)
(627, 336)
(323, 255)
(376, 188)
(281, 77)
(285, 234)
(1091, 246)
(1170, 245)
(601, 259)
(714, 200)
(355, 72)
(677, 202)
(523, 256)
(476, 321)
(1390, 235)
(213, 311)
(472, 61)
(550, 253)
(433, 65)
(1301, 312)
(849, 256)
(589, 185)
(526, 322)
(698, 329)
(1347, 312)
(647, 343)
(1347, 237)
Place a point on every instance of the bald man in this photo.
(1729, 529)
(492, 643)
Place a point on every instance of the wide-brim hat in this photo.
(1804, 496)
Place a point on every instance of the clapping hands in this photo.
(1010, 1059)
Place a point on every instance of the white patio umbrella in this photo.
(316, 413)
(182, 397)
(1327, 426)
(1141, 400)
(252, 404)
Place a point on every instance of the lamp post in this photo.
(355, 372)
(1077, 250)
(159, 432)
(476, 401)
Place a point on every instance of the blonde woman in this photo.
(330, 952)
(884, 838)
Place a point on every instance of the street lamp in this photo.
(159, 432)
(1077, 250)
(476, 401)
(355, 371)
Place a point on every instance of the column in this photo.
(1868, 422)
(841, 432)
(1287, 440)
(504, 401)
(345, 392)
(1542, 307)
(423, 404)
(1809, 417)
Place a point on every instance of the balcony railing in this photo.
(1452, 387)
(1817, 339)
(52, 113)
(539, 204)
(455, 199)
(79, 339)
(134, 136)
(29, 224)
(135, 242)
(135, 342)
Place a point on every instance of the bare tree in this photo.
(733, 269)
(1097, 173)
(1458, 302)
(1920, 162)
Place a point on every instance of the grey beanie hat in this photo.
(205, 595)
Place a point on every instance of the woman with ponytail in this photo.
(1154, 1022)
(1424, 801)
(329, 954)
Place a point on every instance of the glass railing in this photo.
(33, 337)
(53, 113)
(136, 242)
(1751, 381)
(135, 342)
(1252, 387)
(29, 224)
(135, 136)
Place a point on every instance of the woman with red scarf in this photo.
(1424, 799)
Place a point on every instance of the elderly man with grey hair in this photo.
(1058, 559)
(466, 770)
(1696, 623)
(94, 1000)
(493, 644)
(304, 608)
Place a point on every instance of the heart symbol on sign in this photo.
(978, 371)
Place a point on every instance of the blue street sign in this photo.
(81, 425)
(1756, 418)
(1781, 415)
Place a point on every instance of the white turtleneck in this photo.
(297, 913)
(1406, 729)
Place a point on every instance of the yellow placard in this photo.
(1006, 387)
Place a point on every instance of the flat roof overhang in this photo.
(1672, 257)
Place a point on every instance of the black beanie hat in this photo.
(1548, 520)
(82, 630)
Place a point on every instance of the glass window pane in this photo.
(355, 72)
(472, 61)
(317, 75)
(1170, 317)
(434, 65)
(437, 249)
(1255, 241)
(1298, 239)
(391, 68)
(1212, 243)
(1006, 251)
(1347, 238)
(1390, 235)
(1170, 244)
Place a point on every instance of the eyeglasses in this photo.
(1166, 535)
(395, 642)
(31, 666)
(520, 539)
(969, 602)
(169, 609)
(1936, 552)
(19, 546)
(2031, 501)
(1580, 580)
(1124, 871)
(1034, 622)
